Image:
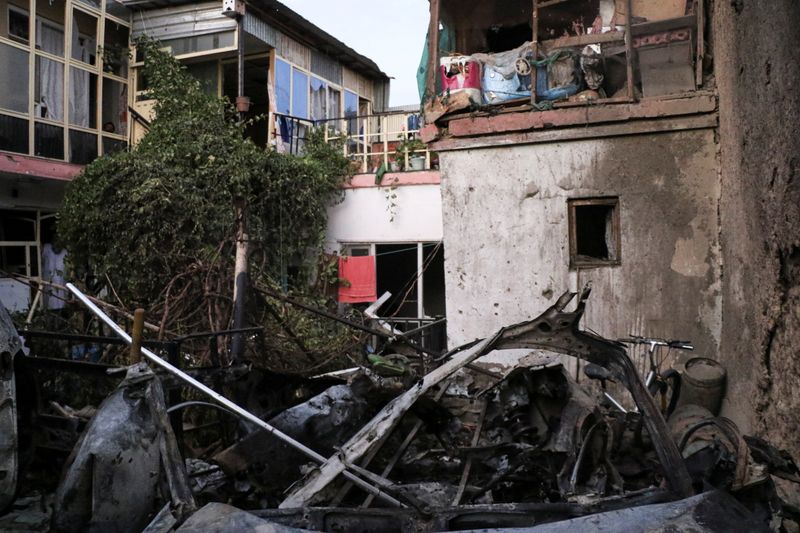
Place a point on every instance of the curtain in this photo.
(79, 105)
(50, 76)
(50, 39)
(318, 100)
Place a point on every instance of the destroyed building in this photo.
(668, 182)
(577, 143)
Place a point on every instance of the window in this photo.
(83, 98)
(84, 41)
(319, 102)
(49, 91)
(18, 27)
(594, 232)
(115, 49)
(14, 89)
(299, 94)
(283, 86)
(351, 110)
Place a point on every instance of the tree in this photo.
(156, 223)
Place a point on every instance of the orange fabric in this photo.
(360, 274)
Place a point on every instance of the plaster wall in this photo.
(758, 74)
(365, 215)
(506, 235)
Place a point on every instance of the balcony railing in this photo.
(390, 140)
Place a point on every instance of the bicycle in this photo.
(664, 385)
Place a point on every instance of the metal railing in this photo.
(430, 333)
(390, 140)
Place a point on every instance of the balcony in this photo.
(389, 140)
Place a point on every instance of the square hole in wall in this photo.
(594, 232)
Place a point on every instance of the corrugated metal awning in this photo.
(182, 21)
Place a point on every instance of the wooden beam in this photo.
(637, 127)
(658, 26)
(701, 44)
(433, 51)
(648, 108)
(583, 40)
(629, 49)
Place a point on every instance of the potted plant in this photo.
(410, 146)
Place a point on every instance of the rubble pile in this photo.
(418, 444)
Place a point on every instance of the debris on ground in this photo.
(415, 442)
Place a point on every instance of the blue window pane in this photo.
(299, 94)
(283, 84)
(351, 110)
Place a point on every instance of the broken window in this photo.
(50, 27)
(82, 98)
(49, 97)
(594, 232)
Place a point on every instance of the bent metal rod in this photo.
(218, 398)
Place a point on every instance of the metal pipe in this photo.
(223, 401)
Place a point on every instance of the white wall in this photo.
(364, 216)
(506, 235)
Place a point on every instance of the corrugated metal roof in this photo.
(286, 20)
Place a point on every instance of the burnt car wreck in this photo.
(414, 443)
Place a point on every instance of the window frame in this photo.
(19, 11)
(577, 261)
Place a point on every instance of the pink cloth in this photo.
(360, 275)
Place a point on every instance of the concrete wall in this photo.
(758, 74)
(506, 235)
(364, 215)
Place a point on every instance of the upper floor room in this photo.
(548, 55)
(64, 82)
(294, 73)
(73, 88)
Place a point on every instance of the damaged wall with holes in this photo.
(758, 73)
(506, 216)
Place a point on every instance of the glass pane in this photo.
(18, 24)
(50, 27)
(118, 10)
(200, 43)
(115, 107)
(351, 110)
(207, 74)
(84, 37)
(299, 94)
(83, 98)
(334, 104)
(283, 83)
(13, 89)
(115, 49)
(111, 146)
(13, 134)
(48, 141)
(82, 147)
(91, 3)
(48, 98)
(319, 103)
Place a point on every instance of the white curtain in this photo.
(79, 84)
(50, 39)
(79, 98)
(51, 88)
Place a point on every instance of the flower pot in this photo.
(416, 162)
